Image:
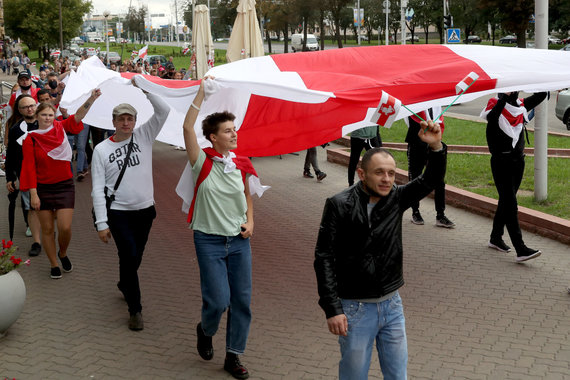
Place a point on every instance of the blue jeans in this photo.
(225, 280)
(80, 143)
(382, 322)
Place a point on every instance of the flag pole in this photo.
(421, 118)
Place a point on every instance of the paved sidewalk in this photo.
(472, 313)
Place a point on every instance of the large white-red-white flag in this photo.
(288, 102)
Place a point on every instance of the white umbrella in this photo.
(245, 40)
(202, 44)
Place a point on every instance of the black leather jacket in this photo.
(355, 259)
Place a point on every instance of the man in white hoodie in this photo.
(129, 218)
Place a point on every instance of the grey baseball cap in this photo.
(124, 108)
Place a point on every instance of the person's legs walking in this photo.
(211, 252)
(356, 346)
(417, 159)
(506, 213)
(239, 278)
(125, 227)
(356, 146)
(81, 156)
(391, 341)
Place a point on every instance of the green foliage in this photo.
(37, 23)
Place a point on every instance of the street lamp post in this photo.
(106, 14)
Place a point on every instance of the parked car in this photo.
(161, 59)
(566, 40)
(114, 57)
(297, 42)
(112, 39)
(75, 49)
(409, 38)
(122, 40)
(562, 109)
(77, 40)
(363, 38)
(473, 40)
(554, 40)
(566, 48)
(510, 39)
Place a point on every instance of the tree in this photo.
(338, 10)
(36, 22)
(515, 16)
(135, 22)
(466, 13)
(559, 15)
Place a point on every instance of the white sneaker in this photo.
(29, 232)
(2, 174)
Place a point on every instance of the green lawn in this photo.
(464, 132)
(473, 172)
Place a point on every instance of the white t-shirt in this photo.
(136, 190)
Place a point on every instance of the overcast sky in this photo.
(121, 6)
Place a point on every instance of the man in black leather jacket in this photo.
(358, 259)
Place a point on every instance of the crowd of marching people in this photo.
(357, 286)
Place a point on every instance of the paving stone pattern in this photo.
(472, 313)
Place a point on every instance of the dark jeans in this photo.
(130, 231)
(311, 159)
(507, 173)
(356, 146)
(417, 160)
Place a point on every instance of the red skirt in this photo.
(55, 196)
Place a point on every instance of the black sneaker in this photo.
(66, 264)
(417, 218)
(136, 322)
(233, 365)
(55, 273)
(307, 174)
(499, 245)
(442, 221)
(35, 249)
(205, 348)
(321, 176)
(525, 253)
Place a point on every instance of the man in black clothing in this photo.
(506, 118)
(417, 161)
(359, 259)
(22, 120)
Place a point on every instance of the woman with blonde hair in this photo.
(46, 173)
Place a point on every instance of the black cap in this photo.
(24, 74)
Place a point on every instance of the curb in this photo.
(474, 149)
(534, 221)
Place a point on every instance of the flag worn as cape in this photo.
(289, 102)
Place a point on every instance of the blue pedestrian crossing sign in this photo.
(453, 36)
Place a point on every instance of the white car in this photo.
(562, 109)
(554, 40)
(112, 39)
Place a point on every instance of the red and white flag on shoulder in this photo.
(142, 52)
(55, 53)
(185, 50)
(386, 111)
(33, 64)
(134, 53)
(464, 84)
